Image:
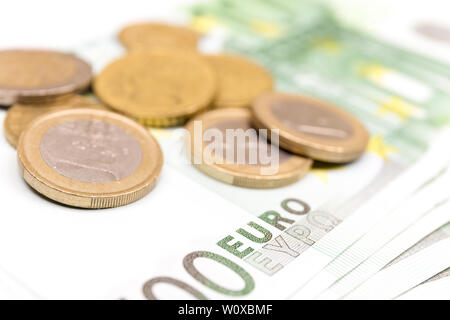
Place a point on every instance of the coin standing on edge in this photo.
(157, 35)
(158, 88)
(289, 167)
(239, 81)
(35, 75)
(311, 127)
(19, 116)
(89, 158)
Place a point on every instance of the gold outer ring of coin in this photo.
(239, 81)
(160, 88)
(44, 75)
(322, 149)
(41, 177)
(247, 176)
(19, 116)
(151, 35)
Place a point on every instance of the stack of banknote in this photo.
(385, 232)
(377, 228)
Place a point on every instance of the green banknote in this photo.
(402, 98)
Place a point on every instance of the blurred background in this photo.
(64, 24)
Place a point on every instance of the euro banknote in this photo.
(425, 228)
(409, 213)
(391, 283)
(435, 290)
(344, 66)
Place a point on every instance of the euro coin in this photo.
(145, 36)
(36, 75)
(311, 127)
(239, 81)
(20, 115)
(89, 158)
(236, 154)
(156, 35)
(158, 88)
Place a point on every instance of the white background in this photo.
(64, 24)
(56, 23)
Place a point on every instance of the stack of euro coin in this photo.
(226, 92)
(164, 81)
(94, 151)
(71, 148)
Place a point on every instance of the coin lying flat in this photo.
(28, 75)
(158, 88)
(311, 127)
(20, 115)
(156, 35)
(89, 158)
(239, 82)
(244, 160)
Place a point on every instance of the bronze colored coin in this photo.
(45, 99)
(157, 88)
(28, 75)
(311, 127)
(156, 35)
(19, 116)
(89, 158)
(243, 160)
(239, 81)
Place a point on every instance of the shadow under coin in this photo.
(327, 166)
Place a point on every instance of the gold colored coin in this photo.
(157, 88)
(311, 127)
(239, 81)
(155, 35)
(29, 75)
(89, 158)
(245, 160)
(20, 115)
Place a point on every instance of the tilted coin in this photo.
(239, 157)
(28, 75)
(20, 115)
(158, 88)
(157, 35)
(311, 127)
(239, 81)
(89, 158)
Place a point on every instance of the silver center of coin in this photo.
(311, 120)
(91, 151)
